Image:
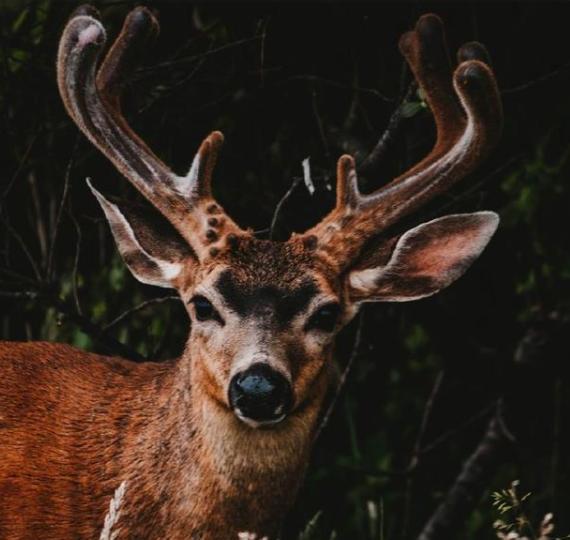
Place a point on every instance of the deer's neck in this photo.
(220, 476)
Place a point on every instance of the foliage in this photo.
(514, 523)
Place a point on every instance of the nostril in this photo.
(260, 393)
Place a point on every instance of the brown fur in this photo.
(74, 425)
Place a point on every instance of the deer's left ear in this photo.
(424, 260)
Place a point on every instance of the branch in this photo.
(169, 64)
(22, 163)
(540, 353)
(394, 124)
(470, 484)
(23, 246)
(538, 80)
(342, 381)
(75, 271)
(64, 193)
(296, 181)
(107, 342)
(315, 79)
(414, 460)
(138, 308)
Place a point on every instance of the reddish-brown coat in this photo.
(74, 425)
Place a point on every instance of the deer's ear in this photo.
(424, 260)
(154, 252)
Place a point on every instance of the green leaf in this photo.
(411, 108)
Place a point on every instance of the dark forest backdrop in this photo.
(448, 399)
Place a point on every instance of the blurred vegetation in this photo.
(283, 82)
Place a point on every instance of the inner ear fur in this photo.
(423, 260)
(152, 249)
(155, 234)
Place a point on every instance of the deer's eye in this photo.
(324, 319)
(204, 309)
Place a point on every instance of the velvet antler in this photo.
(92, 98)
(468, 117)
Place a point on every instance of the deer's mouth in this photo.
(259, 424)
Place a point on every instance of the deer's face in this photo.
(264, 316)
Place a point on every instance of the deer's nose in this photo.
(260, 395)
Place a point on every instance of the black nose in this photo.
(260, 393)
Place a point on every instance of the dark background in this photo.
(288, 81)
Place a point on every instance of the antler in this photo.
(93, 101)
(468, 117)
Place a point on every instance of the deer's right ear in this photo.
(154, 252)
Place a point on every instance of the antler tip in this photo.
(427, 38)
(204, 148)
(85, 9)
(216, 139)
(475, 84)
(141, 12)
(83, 28)
(474, 74)
(345, 165)
(346, 183)
(94, 34)
(406, 42)
(429, 27)
(200, 174)
(142, 19)
(473, 51)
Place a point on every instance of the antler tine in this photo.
(93, 101)
(473, 50)
(468, 117)
(426, 52)
(139, 29)
(198, 181)
(475, 86)
(80, 46)
(347, 193)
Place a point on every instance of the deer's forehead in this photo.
(258, 263)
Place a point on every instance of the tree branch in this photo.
(138, 308)
(342, 381)
(107, 342)
(477, 471)
(377, 153)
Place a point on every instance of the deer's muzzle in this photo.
(260, 395)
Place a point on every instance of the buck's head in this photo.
(264, 314)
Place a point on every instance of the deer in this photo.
(217, 441)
